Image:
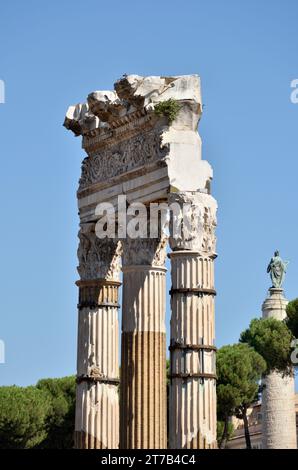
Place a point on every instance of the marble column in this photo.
(97, 395)
(143, 360)
(278, 397)
(192, 415)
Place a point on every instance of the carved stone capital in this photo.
(193, 222)
(145, 251)
(98, 258)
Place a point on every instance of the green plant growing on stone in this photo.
(169, 108)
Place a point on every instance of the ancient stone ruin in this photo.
(142, 143)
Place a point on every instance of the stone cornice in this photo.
(142, 121)
(121, 129)
(133, 97)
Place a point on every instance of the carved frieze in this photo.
(124, 156)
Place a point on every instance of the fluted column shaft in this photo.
(278, 397)
(143, 361)
(193, 380)
(97, 401)
(97, 393)
(193, 376)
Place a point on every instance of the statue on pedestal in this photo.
(277, 269)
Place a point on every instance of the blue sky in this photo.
(53, 54)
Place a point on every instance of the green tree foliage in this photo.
(220, 430)
(24, 412)
(239, 369)
(38, 417)
(60, 422)
(292, 317)
(272, 339)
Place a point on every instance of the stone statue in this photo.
(277, 270)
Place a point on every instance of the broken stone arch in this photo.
(141, 141)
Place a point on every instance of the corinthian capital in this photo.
(145, 251)
(98, 258)
(193, 222)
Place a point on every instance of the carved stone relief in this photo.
(122, 157)
(193, 226)
(98, 258)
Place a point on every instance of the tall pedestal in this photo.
(193, 377)
(143, 361)
(97, 395)
(278, 398)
